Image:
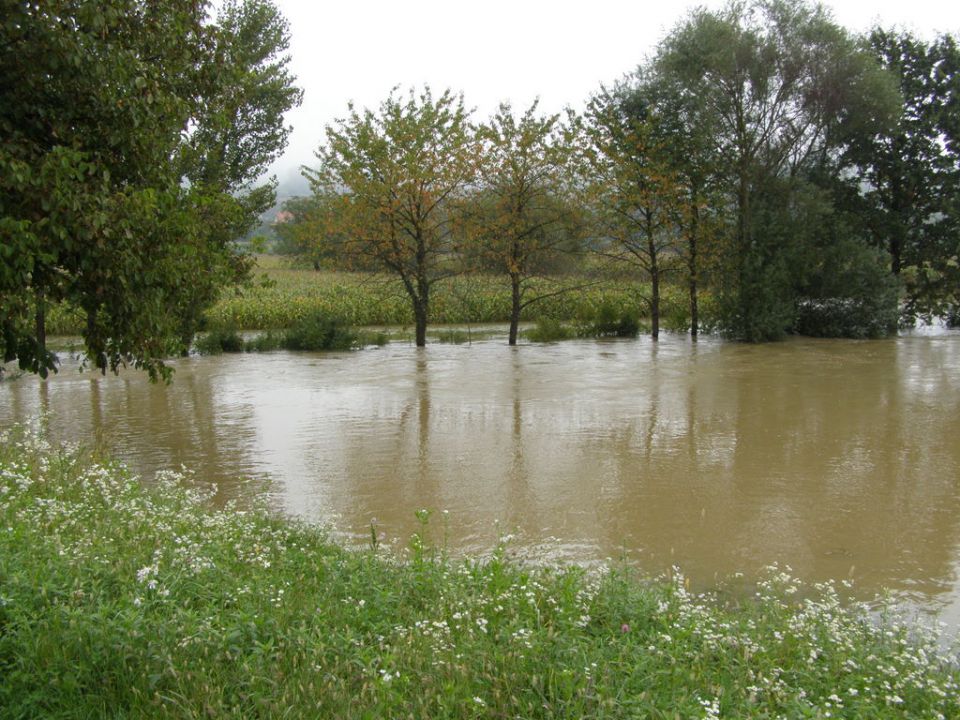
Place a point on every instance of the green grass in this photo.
(120, 601)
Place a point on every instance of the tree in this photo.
(89, 122)
(96, 207)
(522, 217)
(782, 88)
(634, 192)
(238, 129)
(906, 180)
(312, 228)
(397, 172)
(296, 228)
(686, 144)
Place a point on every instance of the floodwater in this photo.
(840, 459)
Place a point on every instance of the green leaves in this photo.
(766, 96)
(398, 170)
(106, 205)
(904, 180)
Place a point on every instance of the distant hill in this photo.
(291, 184)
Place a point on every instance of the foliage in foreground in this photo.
(106, 203)
(120, 601)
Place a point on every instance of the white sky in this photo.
(496, 50)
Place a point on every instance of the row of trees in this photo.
(808, 177)
(132, 135)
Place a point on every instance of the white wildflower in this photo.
(711, 709)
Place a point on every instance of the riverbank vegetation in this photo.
(763, 154)
(796, 177)
(118, 599)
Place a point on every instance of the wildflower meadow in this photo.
(121, 597)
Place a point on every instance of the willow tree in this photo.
(397, 172)
(782, 89)
(521, 219)
(238, 129)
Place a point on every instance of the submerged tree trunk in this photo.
(655, 302)
(743, 207)
(692, 271)
(694, 309)
(41, 325)
(419, 294)
(420, 321)
(421, 310)
(743, 325)
(898, 205)
(514, 307)
(897, 231)
(653, 254)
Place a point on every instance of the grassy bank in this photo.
(116, 601)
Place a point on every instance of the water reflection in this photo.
(837, 458)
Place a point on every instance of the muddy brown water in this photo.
(840, 459)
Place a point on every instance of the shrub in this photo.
(549, 330)
(607, 321)
(220, 340)
(377, 338)
(953, 316)
(853, 294)
(264, 342)
(675, 317)
(761, 306)
(317, 332)
(843, 317)
(709, 313)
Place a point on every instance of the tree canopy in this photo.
(906, 179)
(783, 91)
(396, 172)
(111, 201)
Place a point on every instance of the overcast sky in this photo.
(496, 50)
